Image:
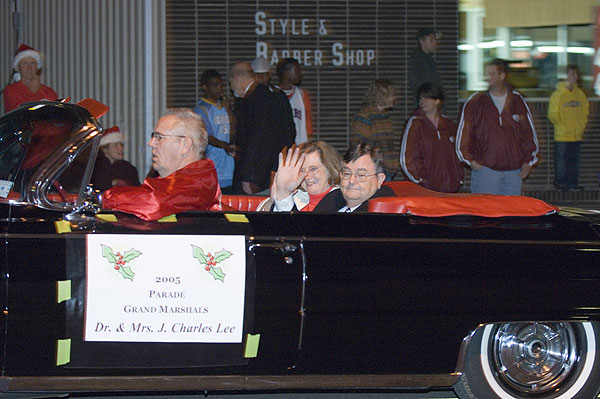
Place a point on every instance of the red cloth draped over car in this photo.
(194, 187)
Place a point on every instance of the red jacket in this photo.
(194, 187)
(428, 156)
(17, 93)
(500, 141)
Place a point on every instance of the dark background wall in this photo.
(359, 41)
(215, 34)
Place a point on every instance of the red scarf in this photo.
(314, 199)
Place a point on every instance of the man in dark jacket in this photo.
(265, 125)
(362, 176)
(421, 65)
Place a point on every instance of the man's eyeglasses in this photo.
(313, 170)
(159, 136)
(360, 176)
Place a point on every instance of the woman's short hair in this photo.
(432, 91)
(329, 156)
(379, 92)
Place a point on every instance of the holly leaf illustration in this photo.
(119, 261)
(217, 273)
(199, 254)
(130, 255)
(126, 272)
(222, 255)
(107, 253)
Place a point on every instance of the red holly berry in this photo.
(207, 268)
(116, 267)
(118, 254)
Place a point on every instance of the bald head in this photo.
(240, 76)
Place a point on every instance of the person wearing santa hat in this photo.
(27, 87)
(110, 168)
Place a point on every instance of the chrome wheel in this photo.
(542, 360)
(534, 357)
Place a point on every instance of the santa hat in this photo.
(112, 135)
(25, 51)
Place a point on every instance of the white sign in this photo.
(165, 288)
(5, 187)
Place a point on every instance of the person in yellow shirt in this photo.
(568, 111)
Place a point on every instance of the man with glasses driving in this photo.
(187, 181)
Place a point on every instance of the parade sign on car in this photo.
(163, 288)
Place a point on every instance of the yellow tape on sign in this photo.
(62, 226)
(236, 217)
(63, 291)
(251, 346)
(167, 219)
(63, 351)
(107, 217)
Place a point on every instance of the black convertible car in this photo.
(255, 302)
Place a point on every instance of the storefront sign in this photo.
(335, 53)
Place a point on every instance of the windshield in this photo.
(45, 146)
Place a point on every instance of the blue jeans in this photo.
(486, 180)
(566, 163)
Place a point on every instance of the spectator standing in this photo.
(428, 155)
(216, 119)
(262, 70)
(110, 168)
(496, 136)
(27, 87)
(290, 77)
(421, 65)
(373, 124)
(264, 127)
(568, 111)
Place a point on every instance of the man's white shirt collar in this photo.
(247, 88)
(346, 209)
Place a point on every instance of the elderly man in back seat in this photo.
(187, 180)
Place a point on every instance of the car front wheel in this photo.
(532, 360)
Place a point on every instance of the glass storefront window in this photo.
(537, 55)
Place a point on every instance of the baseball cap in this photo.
(260, 65)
